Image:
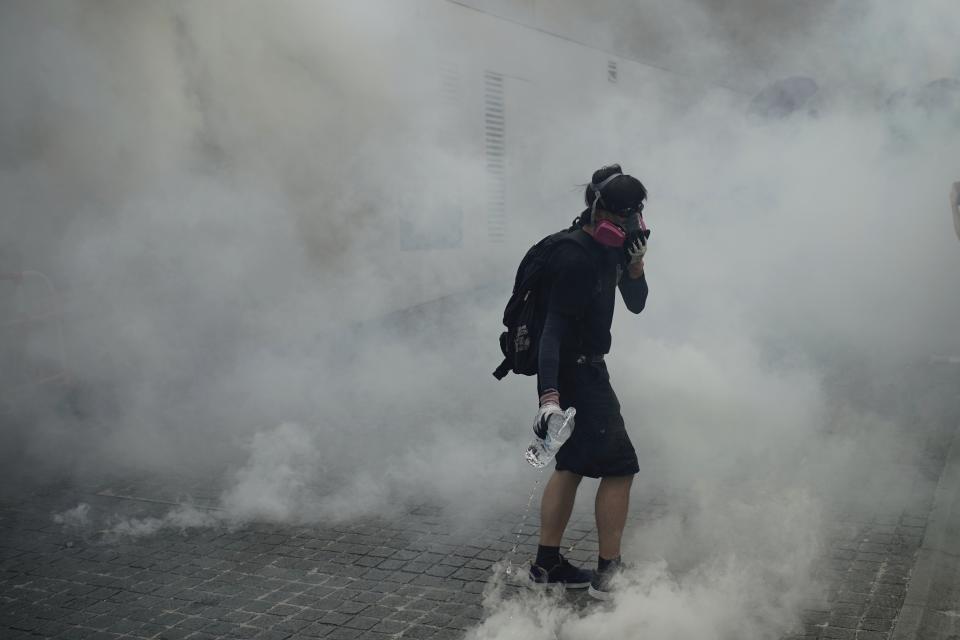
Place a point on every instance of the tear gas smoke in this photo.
(247, 211)
(180, 518)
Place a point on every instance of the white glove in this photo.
(636, 249)
(549, 406)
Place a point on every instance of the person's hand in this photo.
(636, 249)
(549, 406)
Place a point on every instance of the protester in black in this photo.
(584, 278)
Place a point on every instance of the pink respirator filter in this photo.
(609, 234)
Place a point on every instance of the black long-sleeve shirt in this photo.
(580, 305)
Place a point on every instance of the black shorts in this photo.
(599, 446)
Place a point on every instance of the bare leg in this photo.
(556, 506)
(613, 501)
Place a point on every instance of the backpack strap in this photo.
(582, 238)
(547, 246)
(579, 238)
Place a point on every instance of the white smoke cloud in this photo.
(224, 197)
(78, 517)
(751, 581)
(82, 519)
(179, 519)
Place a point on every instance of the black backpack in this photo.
(526, 310)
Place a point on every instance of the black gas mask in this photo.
(634, 225)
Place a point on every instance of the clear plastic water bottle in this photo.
(559, 428)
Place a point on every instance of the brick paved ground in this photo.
(870, 556)
(411, 577)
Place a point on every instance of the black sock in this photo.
(548, 557)
(603, 565)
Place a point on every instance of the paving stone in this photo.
(265, 621)
(284, 610)
(351, 607)
(361, 622)
(390, 627)
(852, 597)
(400, 577)
(895, 590)
(222, 628)
(844, 622)
(318, 630)
(876, 624)
(193, 623)
(848, 609)
(837, 633)
(436, 619)
(175, 634)
(405, 615)
(461, 622)
(272, 635)
(418, 632)
(292, 625)
(335, 618)
(875, 611)
(257, 606)
(75, 633)
(369, 597)
(306, 601)
(441, 571)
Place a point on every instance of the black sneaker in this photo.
(564, 574)
(601, 587)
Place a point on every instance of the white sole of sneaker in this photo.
(577, 585)
(566, 585)
(599, 595)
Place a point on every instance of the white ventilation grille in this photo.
(495, 145)
(613, 72)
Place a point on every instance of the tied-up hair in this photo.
(612, 190)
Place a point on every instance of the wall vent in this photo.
(612, 71)
(494, 119)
